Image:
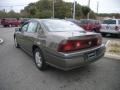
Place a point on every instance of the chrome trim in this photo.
(83, 51)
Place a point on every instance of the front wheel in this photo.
(39, 60)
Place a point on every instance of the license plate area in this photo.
(91, 55)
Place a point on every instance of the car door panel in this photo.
(29, 39)
(20, 35)
(30, 36)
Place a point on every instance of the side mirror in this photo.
(17, 30)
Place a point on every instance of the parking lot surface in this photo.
(18, 72)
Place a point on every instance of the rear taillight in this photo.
(69, 45)
(116, 28)
(73, 45)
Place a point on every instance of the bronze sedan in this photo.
(58, 43)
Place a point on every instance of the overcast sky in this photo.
(105, 6)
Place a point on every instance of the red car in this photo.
(7, 22)
(90, 25)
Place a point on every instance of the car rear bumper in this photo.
(74, 60)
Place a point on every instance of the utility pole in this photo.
(53, 9)
(74, 10)
(89, 3)
(97, 7)
(88, 16)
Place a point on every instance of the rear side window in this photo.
(109, 22)
(32, 27)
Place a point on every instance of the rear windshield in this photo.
(109, 22)
(61, 25)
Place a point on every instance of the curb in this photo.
(1, 41)
(112, 56)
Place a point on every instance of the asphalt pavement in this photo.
(18, 72)
(1, 40)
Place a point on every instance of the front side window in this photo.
(24, 27)
(32, 27)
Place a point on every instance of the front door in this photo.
(30, 35)
(20, 35)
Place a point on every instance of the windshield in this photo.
(61, 25)
(109, 22)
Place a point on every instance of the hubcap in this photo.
(38, 59)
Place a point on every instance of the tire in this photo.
(118, 35)
(103, 34)
(16, 44)
(39, 60)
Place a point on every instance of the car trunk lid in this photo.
(80, 41)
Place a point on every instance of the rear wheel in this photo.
(39, 59)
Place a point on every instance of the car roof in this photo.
(39, 20)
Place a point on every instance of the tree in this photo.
(85, 11)
(13, 14)
(44, 9)
(3, 14)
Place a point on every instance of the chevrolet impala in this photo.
(58, 43)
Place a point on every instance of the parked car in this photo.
(6, 22)
(0, 21)
(90, 25)
(58, 43)
(110, 26)
(74, 21)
